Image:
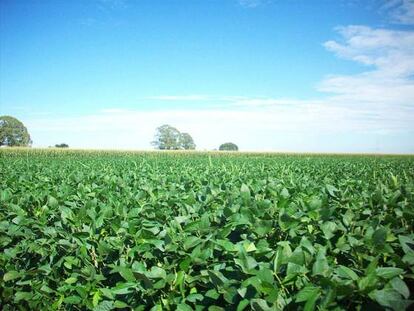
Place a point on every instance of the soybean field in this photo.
(106, 230)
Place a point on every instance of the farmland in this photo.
(89, 230)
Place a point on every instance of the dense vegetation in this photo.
(13, 132)
(228, 147)
(184, 231)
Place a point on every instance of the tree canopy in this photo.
(187, 142)
(13, 132)
(228, 147)
(62, 145)
(168, 137)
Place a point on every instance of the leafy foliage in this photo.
(228, 147)
(168, 137)
(62, 145)
(186, 142)
(13, 132)
(186, 231)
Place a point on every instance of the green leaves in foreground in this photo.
(194, 231)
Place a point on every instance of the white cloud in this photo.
(369, 87)
(389, 57)
(390, 51)
(400, 11)
(272, 127)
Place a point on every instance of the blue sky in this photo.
(269, 75)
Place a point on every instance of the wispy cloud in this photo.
(252, 3)
(113, 4)
(400, 11)
(277, 127)
(180, 97)
(390, 51)
(389, 57)
(114, 110)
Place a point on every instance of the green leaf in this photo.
(71, 280)
(389, 272)
(180, 281)
(263, 227)
(242, 305)
(249, 247)
(311, 302)
(259, 305)
(407, 243)
(5, 195)
(194, 298)
(26, 296)
(156, 307)
(126, 273)
(72, 300)
(11, 275)
(157, 273)
(307, 293)
(104, 306)
(246, 262)
(368, 282)
(379, 237)
(184, 307)
(226, 245)
(46, 289)
(213, 294)
(282, 255)
(409, 258)
(122, 288)
(321, 266)
(331, 190)
(120, 304)
(96, 297)
(52, 202)
(191, 242)
(245, 193)
(387, 297)
(328, 228)
(297, 257)
(346, 273)
(217, 278)
(315, 203)
(400, 286)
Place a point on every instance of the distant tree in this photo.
(228, 147)
(167, 138)
(13, 132)
(187, 142)
(62, 145)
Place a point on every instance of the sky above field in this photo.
(317, 76)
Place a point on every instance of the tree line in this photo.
(14, 133)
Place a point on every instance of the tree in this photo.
(168, 137)
(62, 145)
(13, 132)
(228, 147)
(187, 142)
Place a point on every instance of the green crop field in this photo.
(89, 230)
